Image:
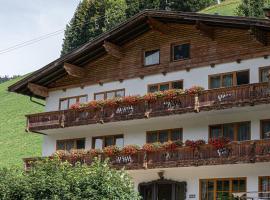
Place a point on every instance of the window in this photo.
(165, 86)
(264, 73)
(109, 94)
(229, 79)
(151, 57)
(65, 103)
(180, 52)
(164, 135)
(212, 189)
(265, 129)
(239, 131)
(264, 187)
(67, 145)
(109, 140)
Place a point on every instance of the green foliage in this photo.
(51, 179)
(15, 143)
(252, 8)
(93, 17)
(227, 8)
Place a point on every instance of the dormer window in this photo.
(180, 52)
(152, 57)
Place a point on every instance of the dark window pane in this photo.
(210, 185)
(151, 57)
(242, 185)
(216, 131)
(80, 144)
(228, 131)
(181, 51)
(242, 77)
(70, 145)
(60, 145)
(266, 130)
(153, 88)
(120, 93)
(177, 85)
(109, 141)
(227, 80)
(219, 185)
(176, 134)
(243, 131)
(164, 87)
(152, 137)
(163, 136)
(235, 185)
(215, 82)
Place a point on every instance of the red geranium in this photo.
(219, 143)
(150, 97)
(194, 90)
(111, 150)
(130, 149)
(148, 147)
(130, 100)
(169, 145)
(94, 152)
(75, 106)
(194, 144)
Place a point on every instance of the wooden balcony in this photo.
(205, 155)
(222, 98)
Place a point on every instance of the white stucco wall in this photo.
(197, 76)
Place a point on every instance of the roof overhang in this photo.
(123, 33)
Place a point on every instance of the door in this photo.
(163, 190)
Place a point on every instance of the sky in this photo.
(24, 20)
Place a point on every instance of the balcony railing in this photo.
(222, 98)
(233, 153)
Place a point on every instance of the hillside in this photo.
(227, 7)
(15, 143)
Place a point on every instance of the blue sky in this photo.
(23, 20)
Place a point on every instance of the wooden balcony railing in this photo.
(222, 98)
(234, 153)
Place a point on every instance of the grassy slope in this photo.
(227, 7)
(15, 143)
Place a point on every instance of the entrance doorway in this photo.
(163, 190)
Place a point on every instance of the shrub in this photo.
(52, 179)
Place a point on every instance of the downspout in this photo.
(36, 102)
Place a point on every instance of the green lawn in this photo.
(227, 7)
(15, 143)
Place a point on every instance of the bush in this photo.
(51, 179)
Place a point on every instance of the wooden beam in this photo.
(38, 90)
(158, 26)
(206, 30)
(74, 70)
(113, 50)
(259, 35)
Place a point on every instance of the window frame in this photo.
(221, 75)
(163, 83)
(260, 184)
(106, 136)
(231, 179)
(147, 50)
(66, 140)
(105, 93)
(235, 126)
(169, 136)
(261, 128)
(260, 73)
(178, 44)
(73, 97)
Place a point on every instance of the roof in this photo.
(123, 33)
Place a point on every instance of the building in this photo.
(166, 51)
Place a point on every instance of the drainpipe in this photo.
(36, 102)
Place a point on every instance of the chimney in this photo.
(267, 12)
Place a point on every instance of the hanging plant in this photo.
(219, 143)
(111, 150)
(194, 144)
(130, 100)
(170, 94)
(148, 147)
(130, 150)
(169, 146)
(75, 106)
(150, 97)
(194, 90)
(94, 152)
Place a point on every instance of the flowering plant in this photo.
(170, 94)
(75, 106)
(194, 144)
(60, 153)
(151, 147)
(110, 103)
(111, 150)
(150, 97)
(130, 149)
(194, 90)
(94, 152)
(219, 143)
(130, 100)
(169, 145)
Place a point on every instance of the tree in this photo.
(252, 8)
(52, 179)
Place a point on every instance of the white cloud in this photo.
(24, 20)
